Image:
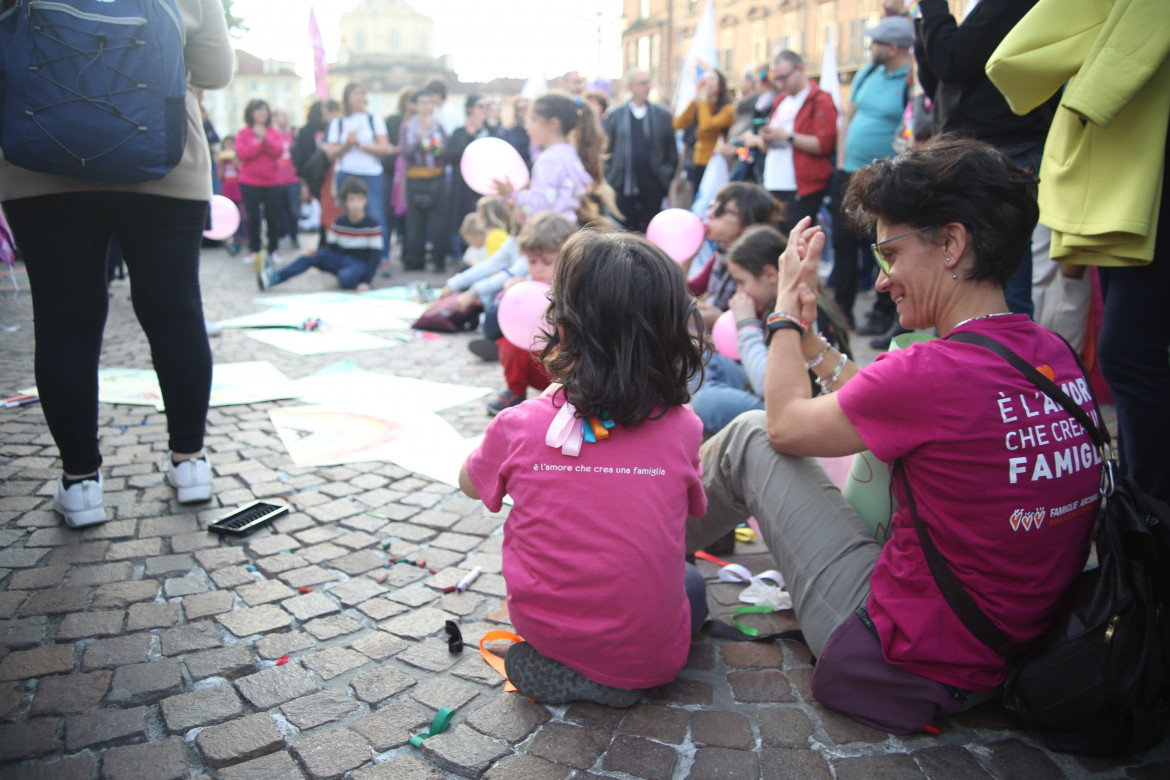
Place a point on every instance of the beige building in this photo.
(658, 33)
(273, 81)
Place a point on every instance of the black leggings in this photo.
(64, 239)
(273, 199)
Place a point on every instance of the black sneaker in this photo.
(551, 682)
(505, 399)
(485, 349)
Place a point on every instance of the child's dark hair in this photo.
(250, 109)
(623, 328)
(758, 247)
(352, 185)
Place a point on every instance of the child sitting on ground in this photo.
(473, 234)
(353, 250)
(485, 279)
(594, 544)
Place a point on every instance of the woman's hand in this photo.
(796, 289)
(742, 306)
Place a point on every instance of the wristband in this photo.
(780, 324)
(748, 322)
(827, 383)
(783, 315)
(820, 358)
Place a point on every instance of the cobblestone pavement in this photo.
(150, 648)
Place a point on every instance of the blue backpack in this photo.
(93, 89)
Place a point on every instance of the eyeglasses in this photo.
(719, 209)
(778, 77)
(882, 262)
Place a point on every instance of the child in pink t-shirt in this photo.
(603, 469)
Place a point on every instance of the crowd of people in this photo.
(927, 180)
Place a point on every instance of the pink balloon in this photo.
(521, 313)
(724, 334)
(225, 218)
(486, 159)
(677, 232)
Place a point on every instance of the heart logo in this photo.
(1047, 371)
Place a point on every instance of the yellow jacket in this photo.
(710, 127)
(1101, 174)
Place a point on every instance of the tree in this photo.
(235, 24)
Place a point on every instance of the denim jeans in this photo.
(348, 270)
(723, 396)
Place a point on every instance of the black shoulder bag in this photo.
(1095, 682)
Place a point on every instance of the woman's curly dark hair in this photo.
(952, 180)
(626, 336)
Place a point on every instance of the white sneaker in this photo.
(81, 504)
(191, 479)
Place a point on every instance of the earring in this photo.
(953, 274)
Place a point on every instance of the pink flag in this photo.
(320, 67)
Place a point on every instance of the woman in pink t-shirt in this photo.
(603, 469)
(1004, 480)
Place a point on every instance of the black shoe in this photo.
(550, 682)
(882, 342)
(485, 349)
(876, 324)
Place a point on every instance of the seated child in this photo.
(353, 250)
(486, 279)
(473, 234)
(539, 242)
(594, 544)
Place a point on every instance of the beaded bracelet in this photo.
(782, 315)
(748, 322)
(827, 383)
(780, 324)
(820, 358)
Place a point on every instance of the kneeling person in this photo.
(352, 251)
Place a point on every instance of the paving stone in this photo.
(201, 605)
(382, 683)
(332, 626)
(271, 544)
(399, 768)
(763, 685)
(1012, 758)
(26, 558)
(185, 586)
(752, 655)
(255, 620)
(663, 724)
(277, 564)
(78, 767)
(791, 764)
(784, 727)
(381, 608)
(413, 596)
(379, 645)
(309, 606)
(276, 685)
(355, 591)
(309, 712)
(232, 577)
(892, 766)
(334, 661)
(146, 616)
(594, 716)
(104, 727)
(239, 740)
(190, 542)
(317, 534)
(842, 729)
(417, 624)
(23, 664)
(462, 604)
(801, 680)
(101, 574)
(218, 557)
(275, 765)
(952, 762)
(229, 662)
(715, 763)
(120, 595)
(11, 700)
(264, 592)
(397, 576)
(189, 638)
(332, 755)
(19, 741)
(135, 548)
(145, 683)
(168, 564)
(444, 692)
(510, 718)
(464, 752)
(573, 746)
(359, 562)
(722, 729)
(308, 576)
(286, 643)
(57, 601)
(430, 654)
(40, 577)
(22, 632)
(641, 758)
(70, 694)
(391, 726)
(84, 625)
(525, 767)
(684, 691)
(165, 760)
(356, 540)
(203, 707)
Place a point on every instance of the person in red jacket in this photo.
(800, 136)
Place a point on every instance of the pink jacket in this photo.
(258, 157)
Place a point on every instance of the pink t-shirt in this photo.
(1004, 478)
(594, 545)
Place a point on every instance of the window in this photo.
(643, 9)
(643, 62)
(360, 40)
(395, 41)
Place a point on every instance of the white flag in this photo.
(534, 87)
(830, 80)
(702, 57)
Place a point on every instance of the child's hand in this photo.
(465, 300)
(515, 280)
(446, 291)
(742, 306)
(504, 187)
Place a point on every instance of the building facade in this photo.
(273, 81)
(657, 34)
